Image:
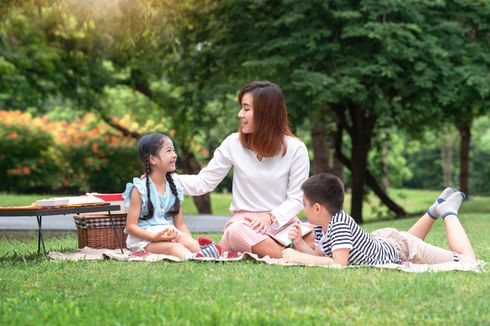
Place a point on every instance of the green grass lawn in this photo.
(36, 291)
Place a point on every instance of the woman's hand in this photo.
(260, 222)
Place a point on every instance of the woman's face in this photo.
(246, 114)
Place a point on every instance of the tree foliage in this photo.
(90, 51)
(360, 69)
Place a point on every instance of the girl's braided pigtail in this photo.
(147, 172)
(176, 207)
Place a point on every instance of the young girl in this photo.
(155, 222)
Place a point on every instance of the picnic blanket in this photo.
(228, 257)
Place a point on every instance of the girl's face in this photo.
(246, 114)
(166, 157)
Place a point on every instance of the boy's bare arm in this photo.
(302, 246)
(341, 256)
(305, 255)
(299, 244)
(293, 256)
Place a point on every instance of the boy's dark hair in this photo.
(326, 189)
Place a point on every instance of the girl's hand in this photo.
(169, 234)
(295, 233)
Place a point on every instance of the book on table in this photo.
(282, 236)
(65, 201)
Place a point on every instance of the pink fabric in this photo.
(238, 236)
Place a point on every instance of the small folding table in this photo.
(39, 212)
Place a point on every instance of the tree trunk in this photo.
(357, 181)
(361, 134)
(322, 138)
(369, 178)
(360, 131)
(373, 184)
(384, 162)
(464, 158)
(383, 196)
(190, 165)
(338, 168)
(319, 143)
(447, 151)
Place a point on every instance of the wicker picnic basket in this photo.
(96, 231)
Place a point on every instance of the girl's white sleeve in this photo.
(210, 176)
(298, 174)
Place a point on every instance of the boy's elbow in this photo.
(342, 262)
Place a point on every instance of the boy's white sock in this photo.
(442, 197)
(450, 206)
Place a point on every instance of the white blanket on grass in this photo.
(95, 254)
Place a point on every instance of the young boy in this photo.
(340, 240)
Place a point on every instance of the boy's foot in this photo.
(450, 206)
(208, 248)
(442, 197)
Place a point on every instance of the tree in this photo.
(371, 64)
(82, 51)
(463, 93)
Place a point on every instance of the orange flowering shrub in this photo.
(101, 159)
(37, 154)
(29, 159)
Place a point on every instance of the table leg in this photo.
(40, 238)
(115, 233)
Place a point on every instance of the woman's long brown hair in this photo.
(270, 119)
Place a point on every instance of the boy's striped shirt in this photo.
(365, 249)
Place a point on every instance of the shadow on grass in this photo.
(21, 246)
(12, 257)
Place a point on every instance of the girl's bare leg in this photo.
(169, 248)
(188, 242)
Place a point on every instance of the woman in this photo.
(269, 165)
